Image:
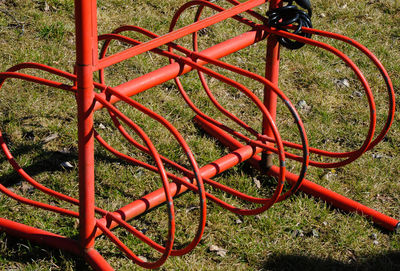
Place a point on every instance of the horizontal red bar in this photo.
(339, 201)
(171, 71)
(158, 196)
(307, 186)
(179, 33)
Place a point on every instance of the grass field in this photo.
(301, 233)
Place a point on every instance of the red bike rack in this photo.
(92, 96)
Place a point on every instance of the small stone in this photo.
(143, 258)
(302, 105)
(50, 138)
(102, 126)
(46, 6)
(322, 15)
(67, 165)
(214, 248)
(315, 233)
(257, 183)
(325, 223)
(65, 151)
(374, 236)
(342, 83)
(377, 156)
(357, 94)
(238, 221)
(219, 251)
(375, 242)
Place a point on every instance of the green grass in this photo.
(301, 233)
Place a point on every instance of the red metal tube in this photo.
(307, 186)
(157, 197)
(40, 236)
(379, 66)
(271, 74)
(179, 33)
(88, 101)
(85, 100)
(185, 147)
(185, 181)
(352, 155)
(248, 93)
(340, 201)
(96, 261)
(165, 190)
(169, 72)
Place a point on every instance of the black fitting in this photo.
(291, 15)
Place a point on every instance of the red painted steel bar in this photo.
(307, 186)
(157, 197)
(88, 101)
(96, 261)
(40, 236)
(379, 66)
(342, 202)
(128, 53)
(372, 110)
(189, 174)
(85, 37)
(353, 154)
(271, 74)
(171, 71)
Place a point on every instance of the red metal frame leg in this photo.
(272, 74)
(87, 62)
(95, 260)
(84, 66)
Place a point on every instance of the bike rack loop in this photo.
(256, 151)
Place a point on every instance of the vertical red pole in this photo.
(272, 74)
(84, 26)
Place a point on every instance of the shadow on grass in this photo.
(23, 254)
(44, 161)
(387, 261)
(19, 254)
